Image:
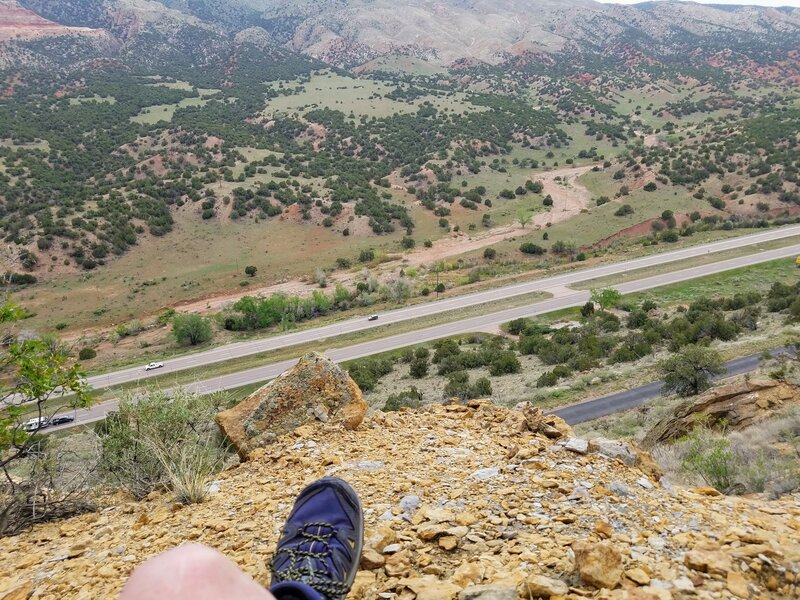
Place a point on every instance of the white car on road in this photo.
(35, 424)
(154, 365)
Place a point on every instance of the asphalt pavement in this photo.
(568, 298)
(622, 401)
(556, 284)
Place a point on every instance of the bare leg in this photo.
(192, 572)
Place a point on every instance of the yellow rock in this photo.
(603, 529)
(448, 542)
(23, 592)
(638, 575)
(430, 588)
(598, 564)
(737, 585)
(708, 561)
(539, 586)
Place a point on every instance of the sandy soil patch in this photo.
(569, 196)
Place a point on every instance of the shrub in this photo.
(650, 187)
(504, 363)
(367, 255)
(709, 456)
(250, 271)
(191, 330)
(166, 316)
(531, 248)
(156, 441)
(562, 248)
(482, 388)
(87, 354)
(624, 210)
(548, 200)
(489, 253)
(587, 310)
(410, 398)
(517, 326)
(670, 236)
(637, 319)
(649, 305)
(458, 386)
(547, 379)
(418, 368)
(717, 203)
(606, 298)
(366, 373)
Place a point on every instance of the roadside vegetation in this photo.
(760, 458)
(613, 339)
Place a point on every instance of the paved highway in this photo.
(567, 298)
(621, 401)
(555, 285)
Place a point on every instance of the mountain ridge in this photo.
(354, 32)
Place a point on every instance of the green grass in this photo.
(165, 112)
(349, 94)
(600, 222)
(95, 98)
(610, 281)
(757, 277)
(197, 259)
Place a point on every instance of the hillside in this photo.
(492, 31)
(170, 146)
(17, 22)
(455, 497)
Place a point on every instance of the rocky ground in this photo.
(457, 498)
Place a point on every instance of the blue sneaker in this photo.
(319, 550)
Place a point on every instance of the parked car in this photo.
(372, 318)
(35, 424)
(61, 420)
(154, 365)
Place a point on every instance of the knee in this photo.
(175, 571)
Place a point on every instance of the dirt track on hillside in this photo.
(569, 196)
(569, 199)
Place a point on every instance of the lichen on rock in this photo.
(316, 389)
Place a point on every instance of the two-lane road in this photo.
(490, 321)
(556, 284)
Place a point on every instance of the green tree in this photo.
(689, 372)
(41, 375)
(606, 298)
(250, 271)
(191, 330)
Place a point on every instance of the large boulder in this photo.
(316, 389)
(738, 405)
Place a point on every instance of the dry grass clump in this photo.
(762, 458)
